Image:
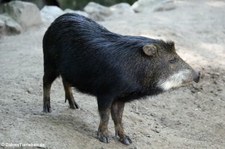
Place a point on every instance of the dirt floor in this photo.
(188, 117)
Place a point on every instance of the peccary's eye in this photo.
(174, 60)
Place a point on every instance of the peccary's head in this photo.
(168, 70)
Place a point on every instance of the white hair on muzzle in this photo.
(176, 80)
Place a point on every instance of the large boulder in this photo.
(153, 5)
(77, 12)
(50, 13)
(96, 11)
(99, 13)
(25, 13)
(8, 26)
(121, 9)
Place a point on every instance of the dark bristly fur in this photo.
(100, 53)
(110, 66)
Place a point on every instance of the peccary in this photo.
(115, 68)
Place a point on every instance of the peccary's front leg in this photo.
(117, 114)
(104, 105)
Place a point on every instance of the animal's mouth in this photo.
(178, 79)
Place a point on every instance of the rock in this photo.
(77, 12)
(12, 27)
(140, 5)
(25, 13)
(2, 27)
(8, 26)
(50, 13)
(67, 10)
(122, 8)
(153, 5)
(97, 12)
(165, 6)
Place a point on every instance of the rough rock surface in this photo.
(25, 13)
(76, 11)
(100, 13)
(17, 16)
(50, 13)
(153, 5)
(8, 26)
(97, 11)
(122, 8)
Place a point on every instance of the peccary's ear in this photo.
(150, 49)
(171, 45)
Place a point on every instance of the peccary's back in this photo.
(93, 59)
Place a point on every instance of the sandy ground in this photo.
(188, 117)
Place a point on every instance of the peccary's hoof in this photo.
(126, 140)
(47, 108)
(74, 106)
(103, 138)
(72, 103)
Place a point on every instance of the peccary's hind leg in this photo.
(48, 78)
(69, 95)
(117, 114)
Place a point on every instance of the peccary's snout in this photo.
(197, 76)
